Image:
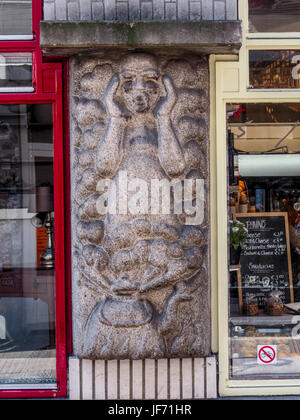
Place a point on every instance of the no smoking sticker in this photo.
(267, 355)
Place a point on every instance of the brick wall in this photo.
(135, 10)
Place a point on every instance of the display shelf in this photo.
(263, 320)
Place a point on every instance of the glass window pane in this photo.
(15, 17)
(274, 15)
(264, 240)
(15, 70)
(274, 69)
(27, 293)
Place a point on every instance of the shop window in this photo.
(264, 240)
(274, 69)
(16, 19)
(274, 15)
(27, 286)
(15, 72)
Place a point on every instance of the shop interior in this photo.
(264, 239)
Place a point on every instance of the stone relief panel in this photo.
(139, 127)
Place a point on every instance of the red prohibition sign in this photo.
(268, 358)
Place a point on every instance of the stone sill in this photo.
(206, 37)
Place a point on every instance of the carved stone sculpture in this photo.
(140, 278)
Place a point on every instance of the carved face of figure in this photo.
(140, 83)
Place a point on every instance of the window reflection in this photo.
(274, 15)
(27, 294)
(15, 70)
(274, 69)
(15, 17)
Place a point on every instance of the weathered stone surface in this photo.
(205, 37)
(140, 278)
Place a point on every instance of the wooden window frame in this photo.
(229, 83)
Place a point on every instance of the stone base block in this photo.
(163, 379)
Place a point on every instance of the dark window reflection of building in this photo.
(15, 70)
(274, 15)
(15, 17)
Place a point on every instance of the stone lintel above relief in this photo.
(206, 37)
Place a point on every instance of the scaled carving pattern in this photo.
(141, 287)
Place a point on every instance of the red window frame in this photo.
(49, 87)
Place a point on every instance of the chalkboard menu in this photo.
(265, 259)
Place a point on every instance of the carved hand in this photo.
(112, 108)
(169, 101)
